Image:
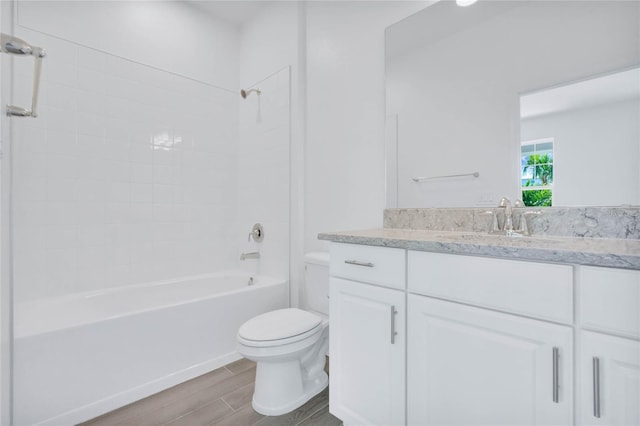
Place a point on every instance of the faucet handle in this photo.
(522, 225)
(257, 233)
(494, 221)
(504, 202)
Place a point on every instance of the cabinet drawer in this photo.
(376, 265)
(610, 300)
(533, 289)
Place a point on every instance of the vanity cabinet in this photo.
(476, 366)
(471, 366)
(488, 341)
(610, 350)
(532, 289)
(367, 339)
(610, 380)
(610, 301)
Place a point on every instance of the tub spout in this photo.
(252, 255)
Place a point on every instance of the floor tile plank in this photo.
(219, 398)
(240, 397)
(204, 415)
(240, 365)
(319, 402)
(321, 418)
(245, 416)
(196, 400)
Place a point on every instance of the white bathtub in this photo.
(78, 356)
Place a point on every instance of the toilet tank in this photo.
(316, 282)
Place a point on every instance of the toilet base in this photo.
(310, 388)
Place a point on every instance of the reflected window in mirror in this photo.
(536, 165)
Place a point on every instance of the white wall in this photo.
(457, 97)
(344, 159)
(596, 152)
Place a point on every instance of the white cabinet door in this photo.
(471, 366)
(367, 385)
(609, 380)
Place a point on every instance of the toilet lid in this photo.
(280, 324)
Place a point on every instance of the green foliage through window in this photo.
(537, 198)
(536, 162)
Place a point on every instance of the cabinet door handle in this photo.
(393, 324)
(357, 263)
(596, 387)
(556, 394)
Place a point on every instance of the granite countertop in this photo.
(605, 252)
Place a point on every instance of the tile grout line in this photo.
(233, 410)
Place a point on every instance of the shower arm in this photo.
(244, 93)
(16, 46)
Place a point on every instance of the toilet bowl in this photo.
(289, 347)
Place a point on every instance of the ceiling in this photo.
(606, 89)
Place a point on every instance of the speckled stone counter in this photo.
(615, 253)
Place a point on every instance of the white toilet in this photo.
(289, 345)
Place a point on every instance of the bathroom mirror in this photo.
(457, 78)
(580, 142)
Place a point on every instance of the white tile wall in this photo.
(126, 176)
(263, 179)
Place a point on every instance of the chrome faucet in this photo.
(503, 223)
(512, 220)
(252, 255)
(508, 214)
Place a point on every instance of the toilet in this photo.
(289, 345)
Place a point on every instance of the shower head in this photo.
(17, 46)
(245, 93)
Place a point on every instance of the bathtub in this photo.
(79, 356)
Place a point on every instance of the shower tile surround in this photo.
(125, 176)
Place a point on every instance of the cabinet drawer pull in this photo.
(596, 387)
(357, 263)
(393, 324)
(556, 396)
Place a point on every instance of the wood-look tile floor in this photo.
(221, 397)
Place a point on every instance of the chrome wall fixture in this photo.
(16, 46)
(245, 93)
(423, 178)
(257, 233)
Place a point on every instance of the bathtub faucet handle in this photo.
(257, 233)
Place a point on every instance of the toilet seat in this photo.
(280, 327)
